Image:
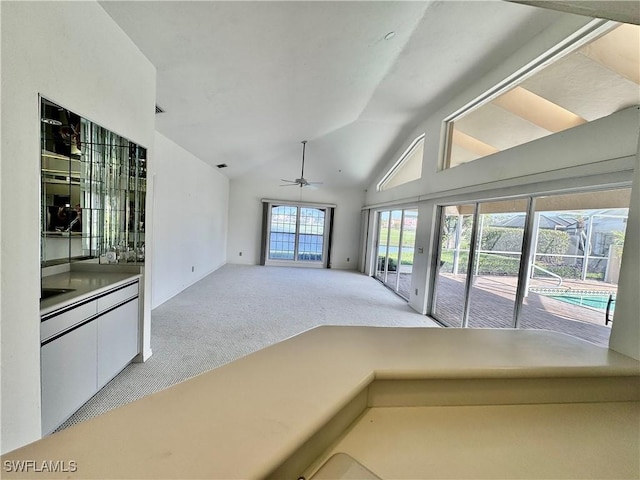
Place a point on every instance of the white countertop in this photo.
(83, 283)
(521, 441)
(244, 419)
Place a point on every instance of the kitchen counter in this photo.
(84, 284)
(262, 414)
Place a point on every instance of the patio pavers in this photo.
(492, 307)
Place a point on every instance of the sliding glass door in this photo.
(547, 262)
(407, 248)
(576, 256)
(451, 277)
(395, 246)
(393, 249)
(382, 262)
(496, 263)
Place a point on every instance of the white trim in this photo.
(584, 35)
(615, 172)
(324, 263)
(297, 204)
(400, 162)
(292, 263)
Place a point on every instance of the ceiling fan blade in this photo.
(288, 181)
(289, 185)
(315, 183)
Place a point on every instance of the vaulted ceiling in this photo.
(243, 83)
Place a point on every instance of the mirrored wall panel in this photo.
(93, 187)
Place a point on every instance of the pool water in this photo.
(598, 302)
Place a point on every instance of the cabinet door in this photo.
(117, 340)
(69, 366)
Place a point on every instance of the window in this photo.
(282, 235)
(592, 78)
(407, 168)
(396, 237)
(297, 234)
(547, 262)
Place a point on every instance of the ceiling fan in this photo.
(301, 182)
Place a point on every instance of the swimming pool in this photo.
(597, 301)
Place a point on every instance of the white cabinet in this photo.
(68, 374)
(117, 340)
(66, 319)
(84, 345)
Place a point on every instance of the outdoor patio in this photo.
(492, 301)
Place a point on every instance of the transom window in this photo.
(593, 78)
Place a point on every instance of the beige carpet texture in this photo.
(239, 309)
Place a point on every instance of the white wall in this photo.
(625, 334)
(603, 152)
(190, 205)
(74, 54)
(596, 144)
(245, 218)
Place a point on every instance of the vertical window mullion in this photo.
(399, 251)
(433, 283)
(470, 266)
(325, 235)
(525, 262)
(296, 237)
(386, 255)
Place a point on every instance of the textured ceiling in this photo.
(243, 83)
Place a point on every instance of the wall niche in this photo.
(93, 188)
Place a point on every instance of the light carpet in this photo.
(239, 309)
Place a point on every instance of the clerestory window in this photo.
(407, 168)
(593, 77)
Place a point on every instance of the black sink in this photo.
(52, 292)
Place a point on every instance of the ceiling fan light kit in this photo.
(301, 182)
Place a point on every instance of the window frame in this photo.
(400, 163)
(326, 237)
(591, 31)
(528, 255)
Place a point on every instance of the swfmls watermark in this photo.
(40, 466)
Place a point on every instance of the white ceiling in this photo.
(243, 83)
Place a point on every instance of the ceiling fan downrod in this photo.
(304, 147)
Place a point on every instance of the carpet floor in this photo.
(240, 309)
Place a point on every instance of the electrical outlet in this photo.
(416, 291)
(240, 254)
(348, 259)
(193, 268)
